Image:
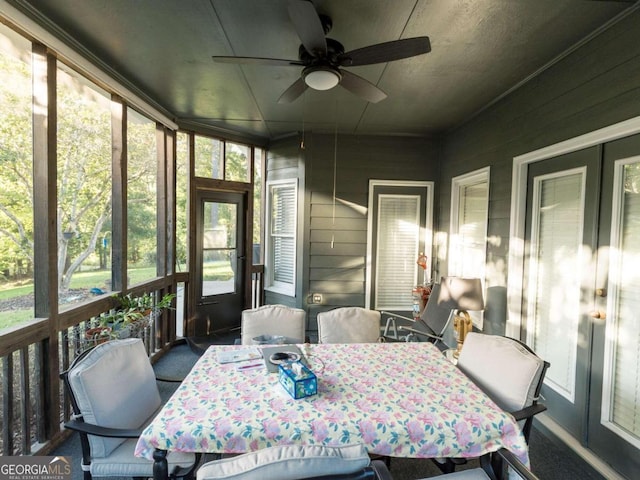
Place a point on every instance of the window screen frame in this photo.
(272, 284)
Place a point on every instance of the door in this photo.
(581, 294)
(399, 231)
(614, 420)
(220, 262)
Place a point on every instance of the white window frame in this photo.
(271, 284)
(454, 267)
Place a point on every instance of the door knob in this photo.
(601, 292)
(599, 314)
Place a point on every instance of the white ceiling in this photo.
(481, 49)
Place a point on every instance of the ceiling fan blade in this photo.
(296, 89)
(257, 61)
(386, 52)
(307, 23)
(361, 87)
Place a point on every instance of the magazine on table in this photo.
(238, 355)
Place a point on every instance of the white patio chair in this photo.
(499, 465)
(114, 395)
(297, 462)
(273, 320)
(349, 325)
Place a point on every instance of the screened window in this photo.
(282, 240)
(142, 203)
(84, 188)
(182, 201)
(16, 180)
(209, 160)
(258, 162)
(237, 161)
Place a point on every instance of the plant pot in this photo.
(97, 335)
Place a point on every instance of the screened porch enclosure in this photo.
(94, 203)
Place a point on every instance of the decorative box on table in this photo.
(297, 379)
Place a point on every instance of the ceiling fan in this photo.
(322, 58)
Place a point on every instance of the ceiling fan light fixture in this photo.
(321, 78)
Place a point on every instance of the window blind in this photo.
(555, 268)
(470, 254)
(282, 226)
(398, 243)
(626, 381)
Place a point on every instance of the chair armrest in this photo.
(160, 378)
(381, 470)
(418, 332)
(504, 455)
(529, 411)
(412, 320)
(99, 431)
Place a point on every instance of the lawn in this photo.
(23, 311)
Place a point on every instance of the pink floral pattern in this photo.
(399, 399)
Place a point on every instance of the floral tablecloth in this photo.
(399, 399)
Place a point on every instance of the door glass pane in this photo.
(398, 245)
(623, 327)
(219, 248)
(554, 282)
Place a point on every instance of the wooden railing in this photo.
(33, 400)
(34, 403)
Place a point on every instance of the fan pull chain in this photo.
(335, 171)
(304, 111)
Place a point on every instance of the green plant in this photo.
(120, 317)
(145, 304)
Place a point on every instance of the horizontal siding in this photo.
(338, 271)
(595, 86)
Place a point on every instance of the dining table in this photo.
(400, 399)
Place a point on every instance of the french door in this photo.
(582, 273)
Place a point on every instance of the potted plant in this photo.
(145, 304)
(128, 318)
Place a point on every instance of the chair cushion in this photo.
(123, 463)
(503, 368)
(115, 386)
(349, 325)
(273, 320)
(288, 462)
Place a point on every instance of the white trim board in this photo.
(519, 199)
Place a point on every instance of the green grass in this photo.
(97, 278)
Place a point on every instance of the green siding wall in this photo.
(595, 86)
(339, 273)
